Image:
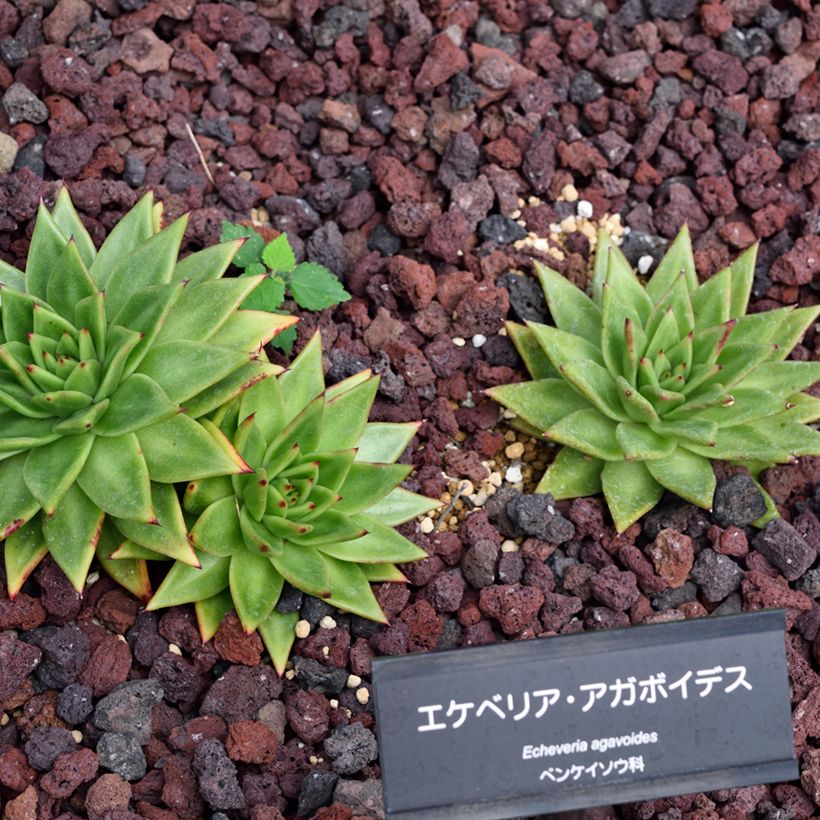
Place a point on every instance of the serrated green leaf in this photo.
(597, 386)
(346, 417)
(314, 287)
(382, 544)
(134, 229)
(305, 568)
(248, 330)
(73, 283)
(268, 295)
(367, 483)
(711, 302)
(207, 264)
(278, 255)
(45, 250)
(639, 443)
(251, 249)
(137, 403)
(743, 272)
(677, 259)
(531, 353)
(572, 475)
(217, 530)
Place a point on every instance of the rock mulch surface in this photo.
(427, 153)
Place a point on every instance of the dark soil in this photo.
(392, 140)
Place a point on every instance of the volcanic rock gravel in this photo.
(427, 153)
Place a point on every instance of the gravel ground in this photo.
(427, 153)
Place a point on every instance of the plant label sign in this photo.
(585, 720)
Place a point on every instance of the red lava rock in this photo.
(180, 792)
(465, 463)
(308, 714)
(235, 645)
(117, 610)
(185, 738)
(715, 18)
(673, 556)
(251, 742)
(633, 559)
(107, 667)
(412, 219)
(69, 772)
(481, 310)
(65, 72)
(24, 612)
(539, 162)
(241, 692)
(328, 646)
(721, 69)
(425, 627)
(17, 661)
(15, 773)
(512, 605)
(412, 281)
(615, 589)
(800, 265)
(109, 793)
(626, 67)
(23, 807)
(443, 60)
(731, 541)
(760, 591)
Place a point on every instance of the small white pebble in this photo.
(334, 704)
(5, 719)
(584, 209)
(302, 629)
(509, 414)
(290, 674)
(353, 681)
(174, 649)
(458, 341)
(480, 498)
(362, 695)
(92, 578)
(509, 546)
(427, 525)
(313, 760)
(466, 487)
(514, 474)
(77, 735)
(327, 623)
(644, 264)
(514, 450)
(495, 479)
(479, 340)
(325, 650)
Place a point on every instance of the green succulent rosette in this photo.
(643, 386)
(318, 511)
(109, 362)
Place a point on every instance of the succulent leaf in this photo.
(99, 352)
(643, 386)
(320, 505)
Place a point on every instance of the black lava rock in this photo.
(351, 748)
(218, 783)
(500, 229)
(13, 52)
(527, 300)
(316, 792)
(463, 92)
(673, 598)
(31, 156)
(290, 599)
(584, 88)
(75, 703)
(383, 240)
(121, 754)
(128, 709)
(314, 609)
(46, 744)
(134, 171)
(66, 651)
(534, 514)
(378, 113)
(783, 547)
(738, 501)
(671, 9)
(311, 674)
(23, 105)
(716, 575)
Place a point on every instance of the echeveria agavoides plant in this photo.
(318, 511)
(109, 362)
(644, 385)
